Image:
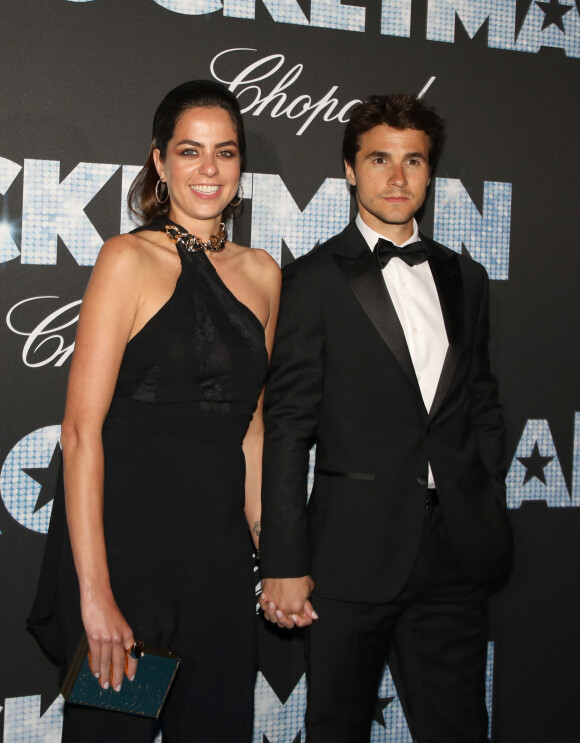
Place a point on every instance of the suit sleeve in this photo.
(292, 406)
(486, 412)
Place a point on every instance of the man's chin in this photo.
(395, 219)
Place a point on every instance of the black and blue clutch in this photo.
(145, 695)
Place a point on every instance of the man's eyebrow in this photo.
(384, 153)
(378, 153)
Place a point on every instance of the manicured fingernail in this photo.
(118, 688)
(279, 613)
(132, 678)
(97, 675)
(271, 605)
(106, 685)
(294, 618)
(314, 615)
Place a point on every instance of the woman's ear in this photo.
(158, 164)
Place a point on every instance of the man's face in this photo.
(391, 175)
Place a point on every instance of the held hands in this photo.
(110, 641)
(284, 601)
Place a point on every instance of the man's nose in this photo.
(397, 175)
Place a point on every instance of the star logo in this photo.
(28, 478)
(275, 721)
(554, 12)
(535, 465)
(46, 477)
(379, 715)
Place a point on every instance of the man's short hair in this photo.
(398, 111)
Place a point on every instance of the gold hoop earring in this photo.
(161, 201)
(240, 197)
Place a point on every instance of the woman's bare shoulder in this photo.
(129, 251)
(122, 248)
(259, 262)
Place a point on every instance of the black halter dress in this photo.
(178, 545)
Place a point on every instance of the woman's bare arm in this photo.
(106, 321)
(270, 281)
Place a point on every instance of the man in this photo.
(381, 360)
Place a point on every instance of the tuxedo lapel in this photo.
(449, 284)
(365, 280)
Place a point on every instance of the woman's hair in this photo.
(141, 199)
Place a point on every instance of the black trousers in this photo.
(177, 543)
(437, 628)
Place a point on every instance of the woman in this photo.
(162, 437)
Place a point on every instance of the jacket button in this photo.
(422, 480)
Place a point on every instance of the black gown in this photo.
(178, 545)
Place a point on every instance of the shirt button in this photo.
(403, 283)
(418, 377)
(415, 330)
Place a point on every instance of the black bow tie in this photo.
(412, 254)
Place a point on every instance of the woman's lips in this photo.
(206, 191)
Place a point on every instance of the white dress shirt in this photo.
(414, 296)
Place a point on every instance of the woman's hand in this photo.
(110, 640)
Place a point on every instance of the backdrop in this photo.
(80, 84)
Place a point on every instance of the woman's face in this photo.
(201, 168)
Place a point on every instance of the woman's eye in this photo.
(189, 153)
(227, 153)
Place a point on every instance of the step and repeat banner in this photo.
(80, 82)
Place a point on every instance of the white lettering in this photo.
(396, 18)
(8, 172)
(51, 208)
(44, 336)
(23, 721)
(190, 7)
(535, 472)
(486, 235)
(128, 221)
(332, 14)
(277, 217)
(533, 35)
(473, 14)
(576, 462)
(282, 11)
(244, 83)
(499, 15)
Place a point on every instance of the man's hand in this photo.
(284, 601)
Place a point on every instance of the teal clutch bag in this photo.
(144, 695)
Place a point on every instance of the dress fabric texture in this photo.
(178, 545)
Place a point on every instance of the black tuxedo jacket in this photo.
(341, 377)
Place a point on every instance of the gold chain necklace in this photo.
(193, 244)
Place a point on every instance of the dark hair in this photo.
(141, 199)
(398, 111)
